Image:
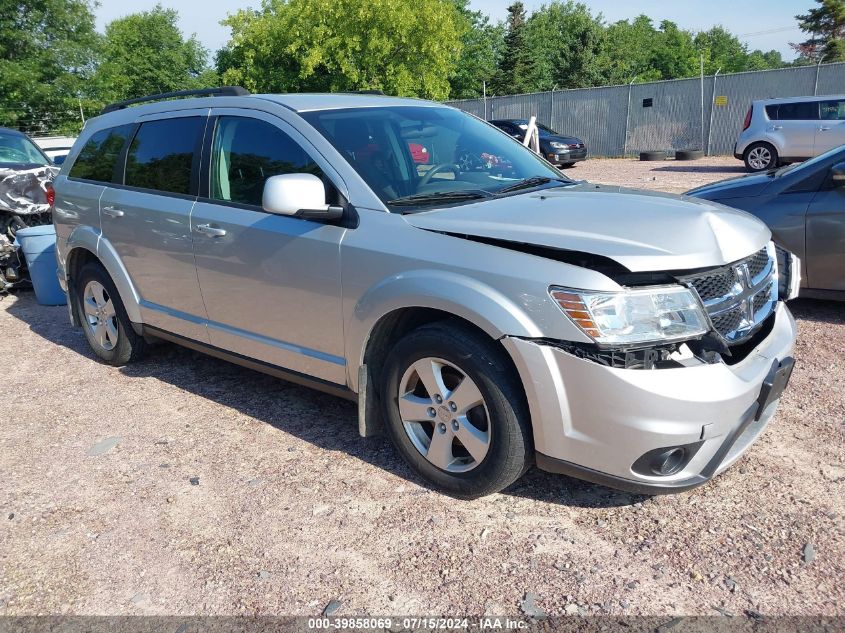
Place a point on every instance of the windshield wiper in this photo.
(439, 196)
(534, 181)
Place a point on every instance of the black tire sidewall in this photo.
(510, 448)
(772, 151)
(127, 340)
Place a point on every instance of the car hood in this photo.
(642, 231)
(569, 140)
(741, 187)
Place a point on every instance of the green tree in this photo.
(563, 38)
(404, 48)
(481, 47)
(517, 68)
(146, 53)
(674, 53)
(759, 60)
(626, 52)
(721, 50)
(826, 26)
(46, 55)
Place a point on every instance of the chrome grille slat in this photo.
(739, 297)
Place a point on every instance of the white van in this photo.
(778, 131)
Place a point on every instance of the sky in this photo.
(763, 24)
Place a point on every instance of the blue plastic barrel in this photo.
(38, 244)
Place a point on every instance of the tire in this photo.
(104, 319)
(760, 157)
(651, 156)
(501, 419)
(689, 154)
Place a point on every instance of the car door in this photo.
(146, 218)
(831, 129)
(794, 128)
(271, 283)
(825, 242)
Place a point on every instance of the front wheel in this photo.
(456, 411)
(760, 157)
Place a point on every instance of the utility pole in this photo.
(81, 113)
(627, 119)
(701, 146)
(484, 92)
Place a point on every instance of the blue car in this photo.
(804, 206)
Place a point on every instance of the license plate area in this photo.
(774, 384)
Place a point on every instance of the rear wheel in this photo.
(455, 410)
(760, 157)
(104, 319)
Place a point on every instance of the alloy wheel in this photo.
(444, 415)
(100, 315)
(759, 158)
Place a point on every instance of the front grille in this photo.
(714, 285)
(739, 297)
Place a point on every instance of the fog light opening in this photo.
(669, 462)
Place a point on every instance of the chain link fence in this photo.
(701, 113)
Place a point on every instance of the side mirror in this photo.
(837, 174)
(298, 195)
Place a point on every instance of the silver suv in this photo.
(778, 131)
(484, 311)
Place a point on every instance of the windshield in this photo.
(16, 149)
(834, 155)
(415, 156)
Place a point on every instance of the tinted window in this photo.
(98, 157)
(17, 149)
(162, 153)
(246, 152)
(832, 110)
(798, 111)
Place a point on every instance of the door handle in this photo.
(113, 212)
(823, 129)
(776, 127)
(213, 231)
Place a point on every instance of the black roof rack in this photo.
(369, 92)
(223, 91)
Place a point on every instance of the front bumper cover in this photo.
(594, 422)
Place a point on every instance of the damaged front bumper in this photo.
(612, 426)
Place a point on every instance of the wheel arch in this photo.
(400, 303)
(83, 246)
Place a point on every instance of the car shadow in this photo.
(704, 169)
(818, 310)
(279, 403)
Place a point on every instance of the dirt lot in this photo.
(186, 485)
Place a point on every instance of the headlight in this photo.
(655, 314)
(558, 145)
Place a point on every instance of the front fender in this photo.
(449, 292)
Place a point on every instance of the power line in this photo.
(782, 29)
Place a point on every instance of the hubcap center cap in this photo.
(444, 414)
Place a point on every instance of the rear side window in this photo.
(832, 110)
(98, 157)
(246, 152)
(798, 111)
(161, 155)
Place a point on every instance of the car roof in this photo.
(794, 99)
(8, 130)
(306, 102)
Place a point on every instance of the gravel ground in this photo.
(186, 485)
